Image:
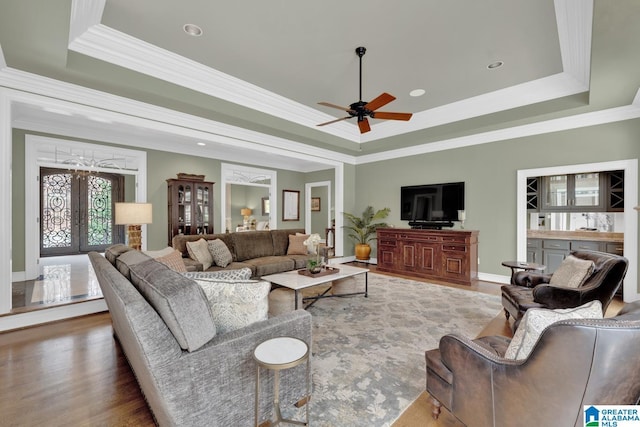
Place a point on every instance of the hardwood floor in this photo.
(73, 372)
(70, 372)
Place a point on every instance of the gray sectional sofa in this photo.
(189, 374)
(264, 252)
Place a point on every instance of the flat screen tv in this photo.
(431, 205)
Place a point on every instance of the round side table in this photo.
(278, 354)
(517, 265)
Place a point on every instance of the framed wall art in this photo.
(315, 204)
(290, 205)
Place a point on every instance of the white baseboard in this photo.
(31, 318)
(18, 276)
(497, 278)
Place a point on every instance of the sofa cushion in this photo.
(199, 251)
(252, 244)
(174, 261)
(271, 265)
(220, 253)
(536, 320)
(239, 274)
(236, 304)
(296, 245)
(280, 240)
(179, 301)
(160, 252)
(572, 273)
(113, 252)
(127, 259)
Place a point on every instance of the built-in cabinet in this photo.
(190, 207)
(583, 192)
(433, 254)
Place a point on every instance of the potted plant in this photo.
(362, 229)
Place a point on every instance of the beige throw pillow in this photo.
(199, 251)
(572, 272)
(236, 304)
(220, 253)
(536, 320)
(173, 261)
(296, 244)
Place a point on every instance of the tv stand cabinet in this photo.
(450, 256)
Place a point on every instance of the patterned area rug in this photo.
(368, 361)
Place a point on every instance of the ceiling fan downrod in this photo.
(361, 51)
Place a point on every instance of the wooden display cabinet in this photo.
(450, 255)
(190, 207)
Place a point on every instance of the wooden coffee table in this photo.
(297, 282)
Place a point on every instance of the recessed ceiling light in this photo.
(417, 92)
(496, 64)
(192, 30)
(202, 144)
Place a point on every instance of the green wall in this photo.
(490, 172)
(160, 166)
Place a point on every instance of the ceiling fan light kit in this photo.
(362, 110)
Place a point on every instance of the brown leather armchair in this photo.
(574, 363)
(532, 289)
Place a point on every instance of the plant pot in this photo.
(363, 251)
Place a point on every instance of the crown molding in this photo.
(239, 144)
(574, 24)
(84, 15)
(610, 115)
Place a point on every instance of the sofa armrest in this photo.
(530, 279)
(222, 373)
(557, 296)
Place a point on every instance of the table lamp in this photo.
(133, 215)
(246, 213)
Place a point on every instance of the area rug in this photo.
(368, 361)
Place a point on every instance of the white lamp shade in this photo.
(245, 211)
(133, 213)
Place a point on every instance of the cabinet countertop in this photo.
(594, 236)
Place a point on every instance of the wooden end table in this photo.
(519, 265)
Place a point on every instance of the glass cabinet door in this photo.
(573, 192)
(556, 190)
(587, 189)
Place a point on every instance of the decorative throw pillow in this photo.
(199, 251)
(536, 320)
(226, 275)
(220, 253)
(572, 272)
(296, 244)
(236, 304)
(173, 261)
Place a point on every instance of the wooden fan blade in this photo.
(333, 121)
(391, 116)
(364, 125)
(380, 101)
(327, 104)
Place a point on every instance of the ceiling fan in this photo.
(362, 109)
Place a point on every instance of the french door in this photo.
(77, 211)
